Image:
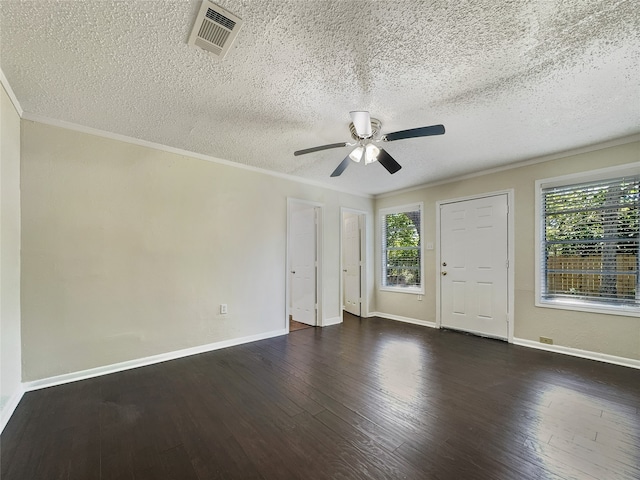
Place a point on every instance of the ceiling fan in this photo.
(365, 131)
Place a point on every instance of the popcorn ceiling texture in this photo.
(510, 80)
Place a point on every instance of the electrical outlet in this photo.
(223, 309)
(548, 341)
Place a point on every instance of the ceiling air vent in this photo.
(215, 29)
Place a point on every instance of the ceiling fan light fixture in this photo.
(371, 153)
(357, 154)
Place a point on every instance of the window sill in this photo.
(627, 311)
(410, 290)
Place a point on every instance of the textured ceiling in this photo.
(510, 80)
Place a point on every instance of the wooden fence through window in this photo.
(575, 277)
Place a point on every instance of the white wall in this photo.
(607, 334)
(128, 251)
(10, 356)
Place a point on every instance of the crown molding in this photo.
(11, 93)
(178, 151)
(524, 163)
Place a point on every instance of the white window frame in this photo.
(583, 177)
(382, 213)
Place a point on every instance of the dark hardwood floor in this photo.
(293, 325)
(368, 399)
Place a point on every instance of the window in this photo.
(589, 242)
(402, 249)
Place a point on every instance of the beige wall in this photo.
(128, 251)
(10, 356)
(610, 334)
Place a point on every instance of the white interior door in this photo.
(474, 266)
(351, 262)
(303, 263)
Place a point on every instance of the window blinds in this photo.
(590, 244)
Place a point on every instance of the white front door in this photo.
(351, 263)
(474, 266)
(303, 263)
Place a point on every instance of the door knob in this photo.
(444, 273)
(293, 271)
(345, 270)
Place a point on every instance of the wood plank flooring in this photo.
(294, 325)
(368, 399)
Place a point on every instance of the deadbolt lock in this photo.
(444, 264)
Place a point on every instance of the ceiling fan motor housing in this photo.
(376, 126)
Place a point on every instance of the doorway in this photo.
(303, 260)
(352, 260)
(474, 258)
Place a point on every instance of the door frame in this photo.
(319, 265)
(510, 254)
(364, 304)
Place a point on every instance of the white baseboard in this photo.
(141, 362)
(398, 318)
(576, 352)
(10, 407)
(331, 321)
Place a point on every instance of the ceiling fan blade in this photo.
(362, 123)
(388, 162)
(342, 167)
(415, 132)
(317, 149)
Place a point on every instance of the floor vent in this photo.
(214, 30)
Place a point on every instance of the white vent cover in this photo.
(215, 29)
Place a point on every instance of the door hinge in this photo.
(507, 264)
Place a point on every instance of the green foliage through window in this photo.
(591, 238)
(401, 262)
